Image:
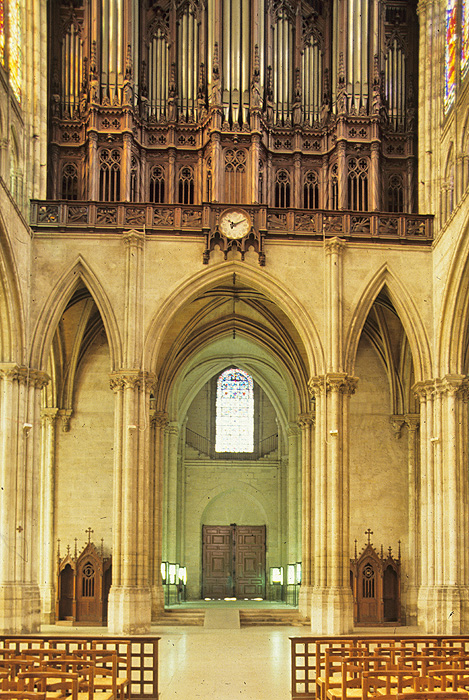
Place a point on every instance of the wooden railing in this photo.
(308, 654)
(308, 224)
(143, 655)
(205, 446)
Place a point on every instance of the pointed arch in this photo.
(202, 281)
(453, 319)
(12, 341)
(407, 312)
(54, 308)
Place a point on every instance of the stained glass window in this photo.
(2, 33)
(450, 53)
(235, 412)
(464, 37)
(14, 46)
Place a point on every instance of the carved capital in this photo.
(65, 415)
(455, 385)
(423, 390)
(132, 379)
(412, 421)
(334, 381)
(134, 239)
(397, 423)
(305, 420)
(160, 419)
(49, 416)
(29, 377)
(334, 245)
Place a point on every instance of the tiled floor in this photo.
(247, 664)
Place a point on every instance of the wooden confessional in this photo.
(83, 584)
(375, 581)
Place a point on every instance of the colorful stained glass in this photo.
(2, 33)
(450, 54)
(464, 37)
(15, 63)
(235, 412)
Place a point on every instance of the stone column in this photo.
(93, 167)
(443, 601)
(293, 483)
(374, 178)
(47, 573)
(172, 189)
(306, 423)
(297, 190)
(411, 591)
(130, 596)
(20, 391)
(171, 497)
(158, 493)
(217, 167)
(332, 603)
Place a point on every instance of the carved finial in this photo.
(215, 68)
(390, 551)
(382, 552)
(89, 532)
(58, 549)
(369, 533)
(356, 553)
(93, 64)
(128, 63)
(270, 88)
(102, 547)
(76, 548)
(399, 551)
(68, 550)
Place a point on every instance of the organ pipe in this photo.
(236, 59)
(158, 75)
(72, 60)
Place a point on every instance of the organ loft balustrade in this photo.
(263, 103)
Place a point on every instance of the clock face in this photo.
(234, 223)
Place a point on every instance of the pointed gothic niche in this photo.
(375, 579)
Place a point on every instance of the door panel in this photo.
(233, 561)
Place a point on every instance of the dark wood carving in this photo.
(375, 581)
(83, 583)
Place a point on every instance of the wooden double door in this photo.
(233, 561)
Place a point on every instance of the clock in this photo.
(234, 223)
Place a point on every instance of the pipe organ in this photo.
(301, 104)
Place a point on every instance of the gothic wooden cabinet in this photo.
(83, 585)
(375, 581)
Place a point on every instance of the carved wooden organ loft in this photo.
(287, 106)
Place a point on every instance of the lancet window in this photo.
(358, 184)
(134, 189)
(235, 175)
(311, 190)
(157, 184)
(334, 186)
(282, 188)
(186, 186)
(69, 181)
(464, 37)
(15, 43)
(110, 175)
(2, 32)
(450, 53)
(234, 412)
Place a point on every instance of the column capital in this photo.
(397, 423)
(454, 384)
(30, 377)
(424, 390)
(412, 421)
(134, 239)
(334, 245)
(132, 379)
(49, 415)
(65, 414)
(333, 381)
(160, 419)
(306, 419)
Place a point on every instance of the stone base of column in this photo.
(157, 602)
(411, 606)
(129, 610)
(47, 605)
(443, 609)
(20, 608)
(332, 610)
(304, 601)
